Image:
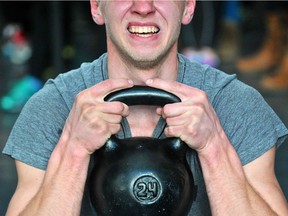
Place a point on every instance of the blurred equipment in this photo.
(16, 51)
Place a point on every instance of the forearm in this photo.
(62, 189)
(228, 189)
(90, 123)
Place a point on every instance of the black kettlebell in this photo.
(142, 176)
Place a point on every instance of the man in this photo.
(65, 122)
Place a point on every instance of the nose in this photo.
(143, 7)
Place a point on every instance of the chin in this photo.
(146, 63)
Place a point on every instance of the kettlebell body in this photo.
(141, 176)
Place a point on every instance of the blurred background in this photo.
(40, 39)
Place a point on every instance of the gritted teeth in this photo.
(143, 29)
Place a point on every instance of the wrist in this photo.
(215, 150)
(70, 155)
(68, 144)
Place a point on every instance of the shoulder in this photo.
(62, 90)
(83, 77)
(208, 79)
(41, 120)
(249, 122)
(216, 83)
(67, 85)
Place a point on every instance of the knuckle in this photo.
(114, 84)
(114, 107)
(87, 112)
(191, 130)
(80, 97)
(119, 107)
(101, 127)
(178, 86)
(107, 84)
(167, 109)
(202, 96)
(115, 128)
(171, 131)
(168, 121)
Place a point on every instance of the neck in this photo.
(166, 69)
(146, 117)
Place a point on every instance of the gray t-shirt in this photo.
(250, 124)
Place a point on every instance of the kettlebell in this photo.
(141, 176)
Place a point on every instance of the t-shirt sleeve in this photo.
(38, 128)
(249, 122)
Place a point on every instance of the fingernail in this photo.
(149, 81)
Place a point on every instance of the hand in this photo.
(92, 120)
(193, 120)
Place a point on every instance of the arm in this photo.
(232, 189)
(260, 173)
(29, 193)
(59, 190)
(250, 191)
(29, 182)
(63, 185)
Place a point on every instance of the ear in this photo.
(96, 12)
(188, 12)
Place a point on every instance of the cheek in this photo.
(115, 11)
(172, 11)
(117, 7)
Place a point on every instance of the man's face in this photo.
(142, 32)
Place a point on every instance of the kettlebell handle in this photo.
(142, 95)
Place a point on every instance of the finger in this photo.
(159, 111)
(185, 108)
(172, 110)
(107, 86)
(114, 128)
(173, 131)
(99, 127)
(168, 112)
(117, 108)
(111, 118)
(173, 87)
(179, 120)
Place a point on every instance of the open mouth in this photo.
(143, 31)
